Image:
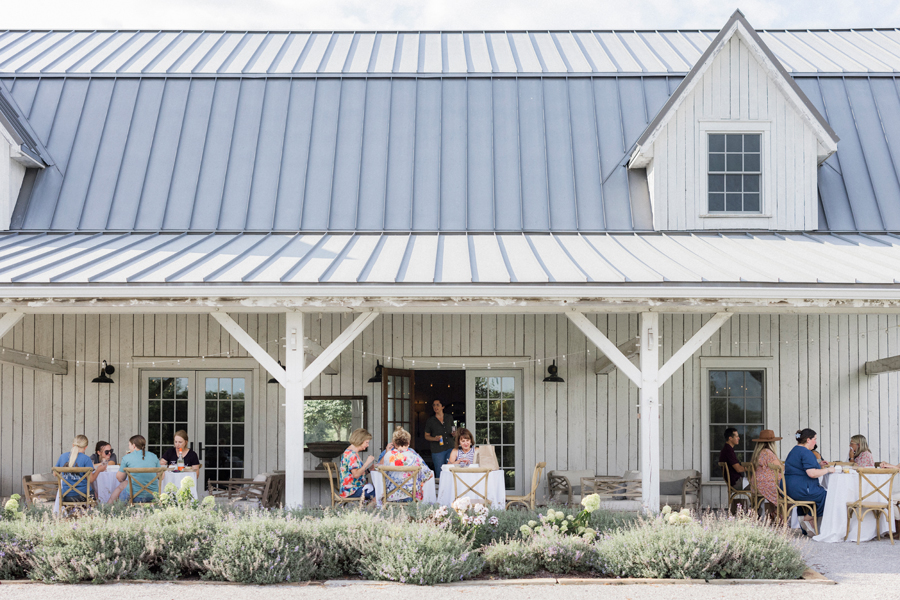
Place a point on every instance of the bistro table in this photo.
(843, 488)
(429, 493)
(106, 483)
(175, 477)
(496, 491)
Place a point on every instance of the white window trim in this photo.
(734, 363)
(733, 220)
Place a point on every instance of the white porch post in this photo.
(293, 422)
(649, 408)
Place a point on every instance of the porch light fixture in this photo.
(552, 376)
(273, 380)
(376, 378)
(105, 370)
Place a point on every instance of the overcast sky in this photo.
(443, 14)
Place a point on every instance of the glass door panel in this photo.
(224, 433)
(398, 394)
(166, 403)
(494, 398)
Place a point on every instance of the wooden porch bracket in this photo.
(630, 349)
(9, 320)
(606, 346)
(691, 346)
(312, 350)
(250, 345)
(30, 360)
(883, 365)
(335, 348)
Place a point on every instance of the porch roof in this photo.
(325, 261)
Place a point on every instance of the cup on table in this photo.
(838, 469)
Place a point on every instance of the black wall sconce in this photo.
(376, 378)
(105, 370)
(553, 376)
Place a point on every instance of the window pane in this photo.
(735, 410)
(754, 410)
(509, 434)
(494, 434)
(224, 411)
(212, 410)
(237, 411)
(751, 162)
(168, 410)
(153, 433)
(167, 432)
(224, 435)
(224, 388)
(718, 410)
(509, 411)
(751, 183)
(716, 162)
(734, 142)
(735, 382)
(237, 434)
(481, 387)
(509, 387)
(733, 202)
(716, 202)
(169, 388)
(390, 410)
(732, 183)
(153, 391)
(509, 457)
(481, 433)
(210, 435)
(238, 385)
(751, 202)
(181, 410)
(751, 142)
(717, 142)
(754, 381)
(717, 383)
(495, 410)
(494, 387)
(481, 407)
(715, 470)
(734, 162)
(237, 457)
(181, 388)
(510, 479)
(154, 412)
(716, 183)
(212, 388)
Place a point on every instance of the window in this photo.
(736, 399)
(495, 421)
(167, 411)
(734, 172)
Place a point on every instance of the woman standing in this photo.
(77, 458)
(765, 454)
(353, 469)
(860, 454)
(181, 455)
(464, 453)
(400, 455)
(801, 475)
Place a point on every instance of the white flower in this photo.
(666, 509)
(461, 504)
(12, 505)
(525, 529)
(684, 518)
(170, 488)
(571, 517)
(494, 521)
(673, 518)
(208, 502)
(686, 511)
(187, 483)
(591, 503)
(532, 523)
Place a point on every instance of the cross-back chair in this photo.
(399, 487)
(458, 481)
(69, 486)
(528, 500)
(334, 482)
(786, 503)
(735, 494)
(40, 491)
(130, 473)
(877, 500)
(755, 497)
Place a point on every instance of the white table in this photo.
(429, 490)
(175, 477)
(496, 487)
(106, 483)
(844, 488)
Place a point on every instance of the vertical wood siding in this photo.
(589, 422)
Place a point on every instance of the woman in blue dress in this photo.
(802, 472)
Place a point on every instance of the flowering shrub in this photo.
(563, 524)
(183, 497)
(11, 509)
(681, 517)
(178, 542)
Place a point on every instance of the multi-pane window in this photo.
(734, 172)
(167, 411)
(225, 416)
(736, 399)
(495, 421)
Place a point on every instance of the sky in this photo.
(269, 15)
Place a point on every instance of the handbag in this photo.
(486, 458)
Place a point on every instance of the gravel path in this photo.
(871, 571)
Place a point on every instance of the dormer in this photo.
(737, 145)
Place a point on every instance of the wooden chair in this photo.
(130, 472)
(250, 493)
(457, 480)
(336, 498)
(39, 492)
(755, 498)
(786, 503)
(877, 501)
(734, 494)
(66, 487)
(393, 486)
(527, 500)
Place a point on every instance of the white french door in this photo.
(494, 415)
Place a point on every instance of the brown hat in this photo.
(766, 435)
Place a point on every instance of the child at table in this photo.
(464, 453)
(137, 458)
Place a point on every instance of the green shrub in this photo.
(347, 535)
(17, 541)
(263, 550)
(512, 559)
(544, 550)
(759, 551)
(179, 542)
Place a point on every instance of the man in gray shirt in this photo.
(439, 431)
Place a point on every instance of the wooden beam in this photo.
(629, 349)
(883, 365)
(249, 344)
(692, 345)
(605, 346)
(337, 346)
(30, 360)
(9, 320)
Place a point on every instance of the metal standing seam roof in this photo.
(16, 124)
(323, 53)
(312, 259)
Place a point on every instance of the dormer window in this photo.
(734, 172)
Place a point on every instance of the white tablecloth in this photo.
(176, 477)
(496, 487)
(105, 483)
(429, 490)
(844, 488)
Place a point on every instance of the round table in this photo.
(175, 477)
(429, 490)
(105, 483)
(496, 487)
(843, 488)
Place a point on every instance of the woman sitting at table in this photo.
(801, 475)
(860, 454)
(137, 458)
(103, 454)
(77, 458)
(765, 454)
(181, 450)
(464, 453)
(400, 455)
(353, 469)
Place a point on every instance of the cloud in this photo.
(443, 14)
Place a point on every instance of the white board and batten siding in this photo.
(737, 94)
(814, 365)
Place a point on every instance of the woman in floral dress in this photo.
(353, 469)
(399, 454)
(860, 453)
(764, 455)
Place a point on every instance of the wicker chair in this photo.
(527, 501)
(786, 503)
(393, 486)
(159, 473)
(877, 501)
(336, 498)
(66, 487)
(733, 494)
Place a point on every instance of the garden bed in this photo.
(419, 545)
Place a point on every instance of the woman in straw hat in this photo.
(765, 454)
